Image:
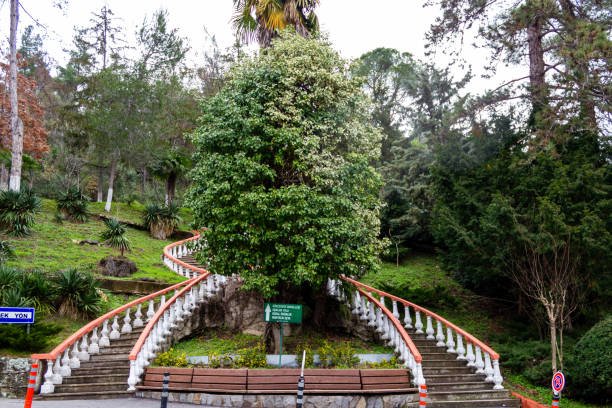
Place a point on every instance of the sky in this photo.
(354, 26)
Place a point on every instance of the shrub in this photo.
(309, 355)
(14, 297)
(342, 356)
(77, 294)
(17, 211)
(114, 236)
(35, 285)
(6, 251)
(171, 358)
(73, 205)
(37, 341)
(590, 368)
(393, 362)
(161, 221)
(8, 277)
(252, 357)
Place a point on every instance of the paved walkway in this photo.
(108, 403)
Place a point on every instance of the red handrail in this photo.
(397, 324)
(97, 322)
(469, 338)
(147, 330)
(178, 261)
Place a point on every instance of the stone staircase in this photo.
(451, 383)
(104, 376)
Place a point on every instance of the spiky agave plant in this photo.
(6, 251)
(114, 235)
(18, 210)
(73, 205)
(161, 221)
(76, 293)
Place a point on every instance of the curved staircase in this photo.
(110, 365)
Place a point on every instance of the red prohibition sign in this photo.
(558, 382)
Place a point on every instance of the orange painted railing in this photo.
(494, 355)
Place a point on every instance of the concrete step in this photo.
(497, 403)
(469, 395)
(452, 378)
(459, 385)
(85, 395)
(122, 342)
(438, 356)
(97, 378)
(431, 349)
(444, 363)
(122, 370)
(117, 349)
(94, 387)
(108, 357)
(110, 362)
(446, 370)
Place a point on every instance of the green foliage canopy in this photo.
(282, 177)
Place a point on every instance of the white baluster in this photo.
(104, 341)
(378, 320)
(66, 371)
(202, 292)
(83, 354)
(418, 325)
(470, 355)
(127, 327)
(93, 342)
(395, 312)
(132, 379)
(371, 315)
(460, 348)
(162, 301)
(48, 387)
(440, 334)
(488, 368)
(450, 342)
(74, 361)
(364, 309)
(114, 334)
(151, 310)
(138, 316)
(384, 327)
(57, 372)
(430, 329)
(420, 378)
(497, 378)
(407, 318)
(356, 303)
(479, 362)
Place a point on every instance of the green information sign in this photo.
(282, 313)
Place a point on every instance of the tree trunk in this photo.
(170, 188)
(553, 342)
(16, 134)
(4, 177)
(111, 181)
(31, 182)
(144, 181)
(319, 313)
(100, 184)
(536, 61)
(272, 337)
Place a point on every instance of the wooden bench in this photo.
(219, 379)
(315, 380)
(180, 378)
(278, 381)
(385, 379)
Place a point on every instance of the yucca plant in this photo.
(114, 236)
(18, 210)
(77, 294)
(73, 205)
(160, 220)
(14, 297)
(8, 279)
(6, 251)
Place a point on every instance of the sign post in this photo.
(17, 315)
(282, 313)
(558, 383)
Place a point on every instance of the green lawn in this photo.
(52, 247)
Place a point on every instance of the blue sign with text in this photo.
(17, 315)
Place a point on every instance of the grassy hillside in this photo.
(52, 246)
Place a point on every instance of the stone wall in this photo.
(14, 376)
(286, 400)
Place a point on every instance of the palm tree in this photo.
(169, 168)
(263, 19)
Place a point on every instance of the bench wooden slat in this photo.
(334, 373)
(386, 387)
(206, 387)
(383, 373)
(331, 387)
(285, 379)
(211, 379)
(158, 384)
(388, 380)
(273, 387)
(224, 372)
(171, 370)
(280, 371)
(173, 378)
